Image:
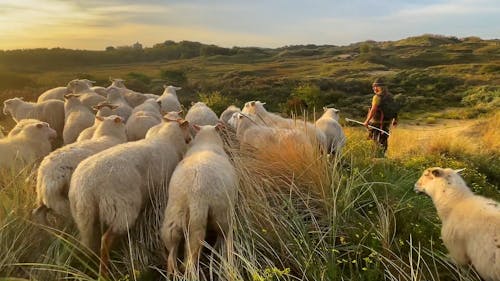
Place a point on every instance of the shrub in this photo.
(216, 101)
(174, 77)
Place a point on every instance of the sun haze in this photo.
(97, 24)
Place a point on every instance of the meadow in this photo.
(299, 216)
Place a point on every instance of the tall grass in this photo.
(300, 215)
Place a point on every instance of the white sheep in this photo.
(329, 125)
(115, 98)
(82, 87)
(29, 144)
(117, 82)
(103, 110)
(471, 223)
(53, 94)
(201, 196)
(55, 170)
(169, 101)
(262, 116)
(143, 117)
(111, 187)
(100, 90)
(200, 114)
(50, 111)
(133, 98)
(228, 113)
(78, 118)
(20, 125)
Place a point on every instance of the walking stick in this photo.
(369, 126)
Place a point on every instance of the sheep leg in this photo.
(172, 243)
(106, 243)
(196, 234)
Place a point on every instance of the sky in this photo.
(94, 25)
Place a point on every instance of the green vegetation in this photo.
(432, 72)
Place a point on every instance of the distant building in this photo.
(137, 46)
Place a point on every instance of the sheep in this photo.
(262, 116)
(111, 187)
(103, 110)
(20, 125)
(329, 125)
(29, 144)
(114, 97)
(55, 170)
(200, 114)
(50, 111)
(117, 82)
(201, 196)
(100, 90)
(169, 101)
(88, 97)
(53, 94)
(78, 118)
(228, 113)
(471, 223)
(143, 117)
(133, 98)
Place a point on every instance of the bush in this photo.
(174, 77)
(216, 101)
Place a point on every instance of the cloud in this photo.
(96, 24)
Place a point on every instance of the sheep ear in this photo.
(183, 123)
(196, 127)
(180, 112)
(158, 102)
(192, 103)
(458, 171)
(168, 119)
(220, 126)
(252, 103)
(39, 125)
(336, 110)
(178, 88)
(437, 173)
(118, 120)
(165, 86)
(99, 118)
(113, 106)
(325, 108)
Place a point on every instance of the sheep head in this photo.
(9, 104)
(436, 181)
(171, 89)
(40, 128)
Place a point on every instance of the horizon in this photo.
(92, 25)
(262, 47)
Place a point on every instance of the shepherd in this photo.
(383, 113)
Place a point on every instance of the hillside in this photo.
(431, 72)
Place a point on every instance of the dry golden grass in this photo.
(450, 137)
(291, 161)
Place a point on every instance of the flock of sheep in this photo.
(118, 145)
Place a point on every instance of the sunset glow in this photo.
(97, 24)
